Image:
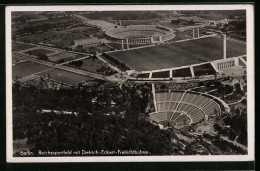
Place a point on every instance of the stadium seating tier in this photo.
(184, 107)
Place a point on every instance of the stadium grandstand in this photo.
(141, 34)
(182, 108)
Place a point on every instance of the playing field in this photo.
(20, 46)
(65, 56)
(91, 64)
(178, 54)
(39, 52)
(27, 68)
(65, 76)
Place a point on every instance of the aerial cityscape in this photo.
(129, 83)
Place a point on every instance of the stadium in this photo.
(155, 85)
(182, 59)
(141, 34)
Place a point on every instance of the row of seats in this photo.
(144, 30)
(185, 99)
(167, 117)
(145, 33)
(168, 36)
(171, 105)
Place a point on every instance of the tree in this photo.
(215, 75)
(43, 57)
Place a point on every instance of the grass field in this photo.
(65, 76)
(39, 52)
(162, 74)
(91, 64)
(178, 54)
(27, 68)
(202, 69)
(184, 72)
(146, 75)
(94, 65)
(20, 46)
(66, 56)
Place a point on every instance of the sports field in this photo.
(178, 54)
(20, 46)
(65, 76)
(39, 52)
(27, 68)
(66, 56)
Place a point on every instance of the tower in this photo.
(122, 42)
(151, 39)
(127, 44)
(224, 46)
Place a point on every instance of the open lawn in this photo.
(183, 72)
(20, 46)
(94, 65)
(202, 69)
(178, 54)
(39, 52)
(65, 56)
(91, 64)
(65, 76)
(27, 68)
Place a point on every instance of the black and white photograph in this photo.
(130, 83)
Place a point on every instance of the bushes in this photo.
(242, 139)
(43, 57)
(89, 132)
(106, 70)
(76, 63)
(120, 64)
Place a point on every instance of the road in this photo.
(235, 143)
(52, 48)
(104, 25)
(106, 62)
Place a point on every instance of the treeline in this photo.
(223, 145)
(123, 15)
(92, 128)
(183, 21)
(237, 130)
(80, 98)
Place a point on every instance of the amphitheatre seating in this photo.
(181, 108)
(140, 31)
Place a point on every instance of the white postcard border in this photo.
(195, 158)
